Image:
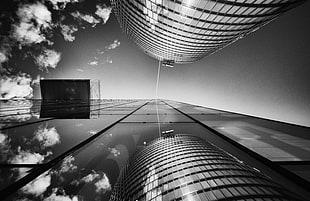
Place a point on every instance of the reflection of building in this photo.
(185, 31)
(184, 167)
(84, 157)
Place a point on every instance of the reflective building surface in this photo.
(71, 150)
(183, 31)
(184, 167)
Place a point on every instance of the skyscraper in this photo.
(185, 31)
(184, 167)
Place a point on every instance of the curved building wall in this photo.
(183, 167)
(184, 31)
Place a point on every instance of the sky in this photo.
(265, 74)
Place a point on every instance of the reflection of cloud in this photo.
(67, 32)
(92, 132)
(20, 115)
(49, 58)
(5, 50)
(114, 45)
(15, 86)
(107, 60)
(26, 157)
(34, 19)
(63, 197)
(103, 12)
(80, 70)
(47, 136)
(36, 81)
(99, 180)
(61, 4)
(85, 17)
(38, 185)
(114, 151)
(4, 147)
(67, 165)
(93, 63)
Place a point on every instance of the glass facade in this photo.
(71, 150)
(183, 31)
(184, 167)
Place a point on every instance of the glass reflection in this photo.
(91, 171)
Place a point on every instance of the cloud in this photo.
(67, 165)
(103, 12)
(47, 137)
(92, 132)
(49, 58)
(99, 180)
(114, 45)
(55, 197)
(86, 17)
(61, 4)
(5, 49)
(114, 151)
(34, 20)
(93, 63)
(23, 114)
(67, 32)
(15, 86)
(107, 60)
(38, 186)
(26, 157)
(79, 70)
(4, 147)
(36, 81)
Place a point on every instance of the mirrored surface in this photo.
(68, 157)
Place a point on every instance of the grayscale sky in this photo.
(265, 74)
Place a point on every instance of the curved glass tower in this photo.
(184, 167)
(183, 31)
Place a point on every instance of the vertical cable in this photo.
(156, 93)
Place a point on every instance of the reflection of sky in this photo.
(91, 172)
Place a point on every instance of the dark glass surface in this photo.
(81, 162)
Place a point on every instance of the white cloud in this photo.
(55, 197)
(3, 139)
(34, 20)
(79, 70)
(38, 186)
(61, 4)
(114, 151)
(3, 57)
(85, 17)
(49, 58)
(92, 132)
(67, 165)
(26, 157)
(36, 81)
(99, 180)
(103, 12)
(15, 86)
(93, 63)
(107, 60)
(47, 136)
(23, 114)
(114, 45)
(4, 147)
(103, 184)
(5, 49)
(67, 32)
